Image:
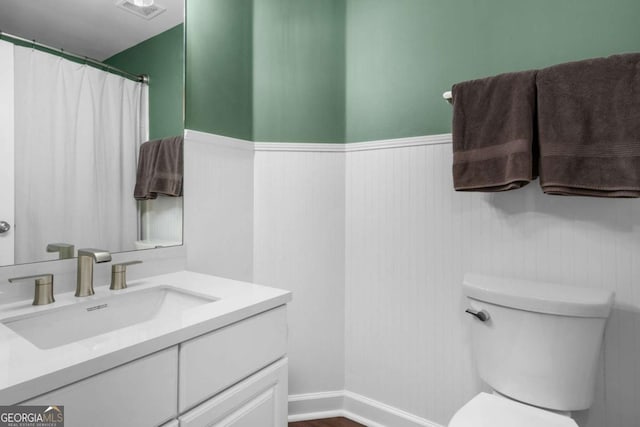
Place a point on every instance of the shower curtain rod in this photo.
(142, 78)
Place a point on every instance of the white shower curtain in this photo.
(77, 135)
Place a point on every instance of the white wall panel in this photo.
(299, 246)
(218, 205)
(161, 219)
(409, 240)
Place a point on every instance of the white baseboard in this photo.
(343, 403)
(378, 414)
(313, 406)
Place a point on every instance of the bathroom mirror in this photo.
(73, 116)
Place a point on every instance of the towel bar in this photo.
(448, 96)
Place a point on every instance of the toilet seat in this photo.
(487, 410)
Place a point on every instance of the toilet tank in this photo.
(542, 341)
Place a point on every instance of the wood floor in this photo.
(327, 422)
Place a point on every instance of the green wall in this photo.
(403, 54)
(298, 70)
(358, 70)
(162, 59)
(219, 89)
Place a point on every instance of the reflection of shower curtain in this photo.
(77, 133)
(6, 150)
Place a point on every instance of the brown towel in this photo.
(160, 168)
(493, 132)
(589, 127)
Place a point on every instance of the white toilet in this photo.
(537, 345)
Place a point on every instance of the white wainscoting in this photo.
(299, 246)
(409, 240)
(218, 205)
(373, 242)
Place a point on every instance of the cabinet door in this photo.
(215, 361)
(258, 401)
(140, 393)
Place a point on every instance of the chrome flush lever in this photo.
(482, 315)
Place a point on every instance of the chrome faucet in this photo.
(86, 257)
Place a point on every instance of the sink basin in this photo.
(64, 325)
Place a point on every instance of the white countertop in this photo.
(27, 371)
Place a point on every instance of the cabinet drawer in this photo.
(140, 393)
(260, 400)
(215, 361)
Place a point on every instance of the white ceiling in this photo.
(94, 28)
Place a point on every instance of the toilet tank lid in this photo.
(487, 410)
(539, 297)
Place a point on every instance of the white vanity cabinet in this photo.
(233, 376)
(258, 401)
(140, 393)
(241, 349)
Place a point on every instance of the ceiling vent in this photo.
(146, 12)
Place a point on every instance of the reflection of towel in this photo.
(159, 168)
(494, 132)
(589, 124)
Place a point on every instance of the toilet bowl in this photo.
(489, 410)
(537, 345)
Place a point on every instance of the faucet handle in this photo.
(65, 249)
(99, 255)
(119, 275)
(44, 287)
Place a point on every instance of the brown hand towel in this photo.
(589, 127)
(160, 168)
(493, 132)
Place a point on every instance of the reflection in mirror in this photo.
(80, 129)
